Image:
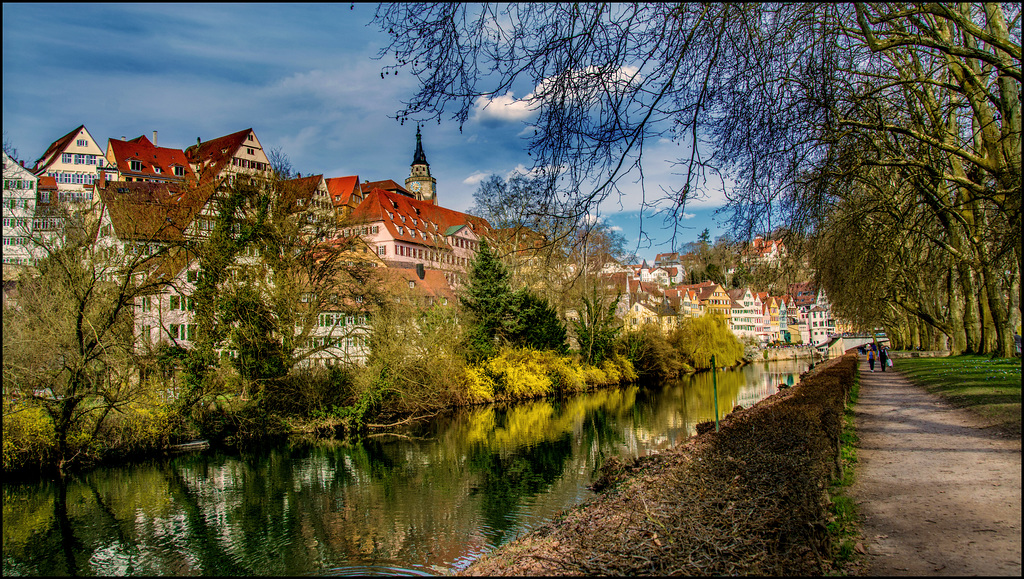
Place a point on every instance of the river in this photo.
(426, 501)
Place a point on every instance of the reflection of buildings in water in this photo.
(763, 386)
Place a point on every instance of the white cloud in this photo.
(502, 109)
(615, 228)
(689, 215)
(476, 178)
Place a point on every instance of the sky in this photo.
(304, 77)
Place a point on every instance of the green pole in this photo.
(714, 382)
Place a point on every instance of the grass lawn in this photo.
(989, 387)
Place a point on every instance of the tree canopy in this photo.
(794, 112)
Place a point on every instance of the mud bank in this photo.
(750, 499)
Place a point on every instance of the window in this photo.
(146, 304)
(135, 165)
(192, 276)
(66, 158)
(157, 170)
(175, 302)
(179, 170)
(250, 151)
(382, 250)
(82, 142)
(173, 331)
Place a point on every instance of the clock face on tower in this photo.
(416, 186)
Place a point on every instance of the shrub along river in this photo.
(426, 501)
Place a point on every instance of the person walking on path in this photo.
(883, 356)
(937, 493)
(871, 359)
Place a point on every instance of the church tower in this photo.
(419, 181)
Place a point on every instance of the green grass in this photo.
(988, 386)
(842, 524)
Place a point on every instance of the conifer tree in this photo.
(487, 297)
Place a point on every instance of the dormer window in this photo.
(135, 165)
(179, 170)
(157, 170)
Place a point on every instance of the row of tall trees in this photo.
(887, 135)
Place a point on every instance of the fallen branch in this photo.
(400, 422)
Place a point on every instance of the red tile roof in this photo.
(431, 223)
(215, 155)
(56, 147)
(151, 158)
(387, 185)
(434, 283)
(344, 190)
(141, 211)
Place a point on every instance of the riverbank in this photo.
(749, 499)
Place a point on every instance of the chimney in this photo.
(154, 138)
(22, 163)
(422, 273)
(123, 138)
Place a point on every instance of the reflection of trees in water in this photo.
(506, 478)
(473, 480)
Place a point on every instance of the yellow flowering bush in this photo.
(28, 436)
(520, 373)
(479, 385)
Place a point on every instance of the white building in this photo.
(72, 161)
(19, 199)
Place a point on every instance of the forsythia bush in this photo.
(28, 436)
(139, 428)
(519, 373)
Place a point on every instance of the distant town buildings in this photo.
(143, 198)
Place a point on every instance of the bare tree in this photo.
(68, 338)
(798, 105)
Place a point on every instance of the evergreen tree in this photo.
(487, 298)
(533, 323)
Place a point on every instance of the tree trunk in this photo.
(958, 341)
(971, 321)
(1002, 340)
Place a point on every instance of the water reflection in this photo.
(430, 500)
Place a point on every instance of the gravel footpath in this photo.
(937, 491)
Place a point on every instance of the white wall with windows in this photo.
(19, 207)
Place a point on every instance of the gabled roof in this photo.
(304, 188)
(387, 185)
(167, 267)
(215, 155)
(56, 147)
(146, 211)
(151, 157)
(434, 284)
(429, 222)
(344, 190)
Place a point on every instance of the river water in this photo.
(426, 501)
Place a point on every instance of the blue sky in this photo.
(303, 76)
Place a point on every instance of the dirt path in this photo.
(938, 493)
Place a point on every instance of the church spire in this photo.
(419, 157)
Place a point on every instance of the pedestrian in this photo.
(883, 356)
(871, 359)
